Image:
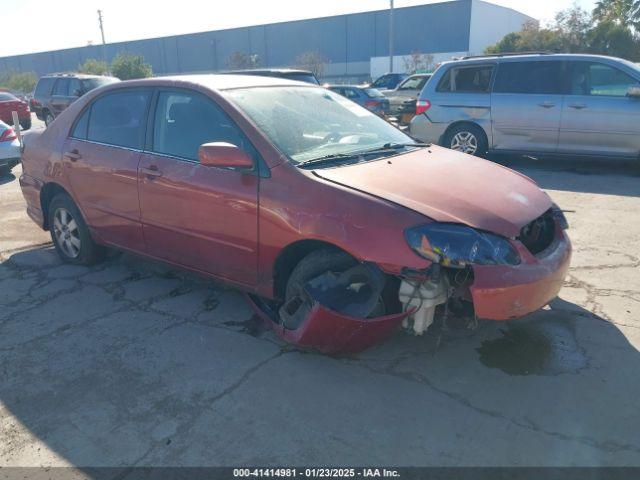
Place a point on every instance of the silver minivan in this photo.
(533, 104)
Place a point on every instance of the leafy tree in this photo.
(418, 62)
(625, 13)
(241, 60)
(573, 26)
(531, 38)
(614, 39)
(23, 82)
(312, 61)
(127, 66)
(94, 67)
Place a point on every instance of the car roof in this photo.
(340, 85)
(252, 71)
(214, 82)
(514, 57)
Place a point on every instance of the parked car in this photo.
(369, 98)
(338, 224)
(288, 73)
(9, 103)
(56, 92)
(533, 104)
(402, 100)
(388, 81)
(9, 149)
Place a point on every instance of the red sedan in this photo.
(10, 103)
(338, 225)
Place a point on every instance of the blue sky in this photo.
(47, 25)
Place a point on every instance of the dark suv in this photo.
(56, 92)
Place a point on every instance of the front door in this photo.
(204, 218)
(101, 160)
(597, 116)
(526, 104)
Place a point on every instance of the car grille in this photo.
(538, 235)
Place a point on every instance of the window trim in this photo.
(257, 168)
(489, 91)
(572, 62)
(89, 106)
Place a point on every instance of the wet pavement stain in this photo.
(254, 326)
(543, 348)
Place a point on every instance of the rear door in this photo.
(60, 95)
(597, 115)
(526, 104)
(101, 158)
(205, 218)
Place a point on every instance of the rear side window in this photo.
(530, 77)
(119, 118)
(471, 79)
(6, 97)
(75, 88)
(598, 79)
(185, 120)
(373, 93)
(413, 83)
(81, 126)
(44, 86)
(61, 87)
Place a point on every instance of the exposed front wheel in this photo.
(70, 234)
(468, 139)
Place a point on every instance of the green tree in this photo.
(241, 60)
(23, 82)
(127, 66)
(94, 67)
(614, 39)
(625, 13)
(573, 26)
(531, 38)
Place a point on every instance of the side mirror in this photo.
(633, 92)
(225, 155)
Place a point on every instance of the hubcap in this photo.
(465, 142)
(66, 231)
(48, 119)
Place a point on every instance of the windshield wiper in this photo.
(386, 148)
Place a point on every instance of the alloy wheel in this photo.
(66, 231)
(465, 142)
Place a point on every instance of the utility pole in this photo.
(390, 36)
(104, 57)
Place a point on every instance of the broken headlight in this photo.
(454, 245)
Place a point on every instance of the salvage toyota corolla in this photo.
(339, 226)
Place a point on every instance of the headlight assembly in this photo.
(455, 245)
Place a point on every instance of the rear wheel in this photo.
(26, 124)
(467, 138)
(48, 118)
(70, 234)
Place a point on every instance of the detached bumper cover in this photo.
(503, 292)
(333, 333)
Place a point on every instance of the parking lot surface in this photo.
(134, 363)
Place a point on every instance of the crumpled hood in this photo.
(449, 186)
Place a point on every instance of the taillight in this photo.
(422, 106)
(372, 103)
(8, 135)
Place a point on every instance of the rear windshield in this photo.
(372, 92)
(44, 86)
(91, 83)
(7, 97)
(302, 77)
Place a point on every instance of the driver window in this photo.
(185, 120)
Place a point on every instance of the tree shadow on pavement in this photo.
(6, 178)
(133, 363)
(581, 175)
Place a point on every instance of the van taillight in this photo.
(422, 106)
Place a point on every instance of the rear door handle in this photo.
(547, 104)
(151, 172)
(73, 155)
(578, 106)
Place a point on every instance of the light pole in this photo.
(390, 36)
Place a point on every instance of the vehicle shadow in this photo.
(134, 363)
(6, 178)
(581, 175)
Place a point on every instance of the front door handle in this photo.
(578, 106)
(547, 104)
(151, 172)
(73, 155)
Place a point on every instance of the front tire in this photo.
(467, 138)
(70, 234)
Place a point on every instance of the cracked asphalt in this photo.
(138, 364)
